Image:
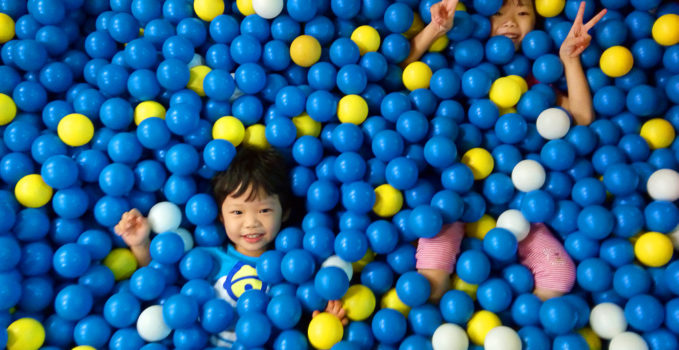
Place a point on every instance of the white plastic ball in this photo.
(502, 338)
(164, 216)
(196, 60)
(267, 8)
(553, 123)
(528, 175)
(628, 341)
(339, 262)
(514, 221)
(186, 237)
(449, 336)
(663, 185)
(151, 326)
(608, 320)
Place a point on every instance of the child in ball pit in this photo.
(540, 251)
(255, 199)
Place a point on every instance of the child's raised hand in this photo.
(442, 14)
(335, 307)
(578, 38)
(133, 228)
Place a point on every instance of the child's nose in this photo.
(251, 220)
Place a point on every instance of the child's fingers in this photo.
(315, 313)
(595, 19)
(581, 13)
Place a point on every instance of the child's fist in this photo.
(133, 228)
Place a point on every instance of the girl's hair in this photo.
(263, 170)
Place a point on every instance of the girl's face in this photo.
(514, 20)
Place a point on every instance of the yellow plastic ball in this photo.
(653, 249)
(549, 8)
(658, 133)
(306, 125)
(32, 191)
(196, 76)
(352, 109)
(591, 338)
(75, 129)
(365, 260)
(148, 109)
(255, 136)
(359, 302)
(84, 347)
(230, 129)
(479, 161)
(480, 228)
(366, 38)
(121, 262)
(415, 27)
(325, 330)
(504, 111)
(522, 82)
(505, 92)
(439, 44)
(390, 300)
(305, 50)
(461, 7)
(25, 334)
(388, 201)
(459, 284)
(207, 10)
(665, 30)
(480, 324)
(417, 76)
(6, 28)
(245, 7)
(8, 109)
(616, 61)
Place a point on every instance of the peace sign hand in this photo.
(578, 38)
(442, 15)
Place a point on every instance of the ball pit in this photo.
(380, 155)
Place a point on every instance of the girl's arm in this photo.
(579, 99)
(442, 14)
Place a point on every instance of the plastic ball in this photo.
(607, 320)
(528, 175)
(480, 161)
(616, 61)
(662, 185)
(230, 129)
(150, 324)
(388, 201)
(325, 330)
(450, 336)
(9, 109)
(502, 337)
(366, 38)
(330, 283)
(417, 75)
(514, 221)
(389, 326)
(653, 249)
(628, 341)
(305, 50)
(553, 123)
(32, 191)
(473, 267)
(359, 302)
(480, 324)
(75, 130)
(659, 133)
(665, 29)
(505, 92)
(25, 333)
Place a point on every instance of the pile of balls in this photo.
(111, 105)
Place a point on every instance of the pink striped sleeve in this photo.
(440, 251)
(552, 268)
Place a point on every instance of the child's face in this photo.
(514, 20)
(252, 224)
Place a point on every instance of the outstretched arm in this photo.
(579, 99)
(134, 230)
(442, 14)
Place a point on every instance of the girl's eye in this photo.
(236, 212)
(498, 14)
(266, 210)
(524, 13)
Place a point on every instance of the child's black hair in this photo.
(264, 170)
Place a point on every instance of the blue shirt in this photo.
(232, 275)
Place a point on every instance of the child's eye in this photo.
(236, 212)
(497, 14)
(524, 13)
(266, 210)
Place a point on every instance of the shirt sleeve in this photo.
(552, 268)
(440, 252)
